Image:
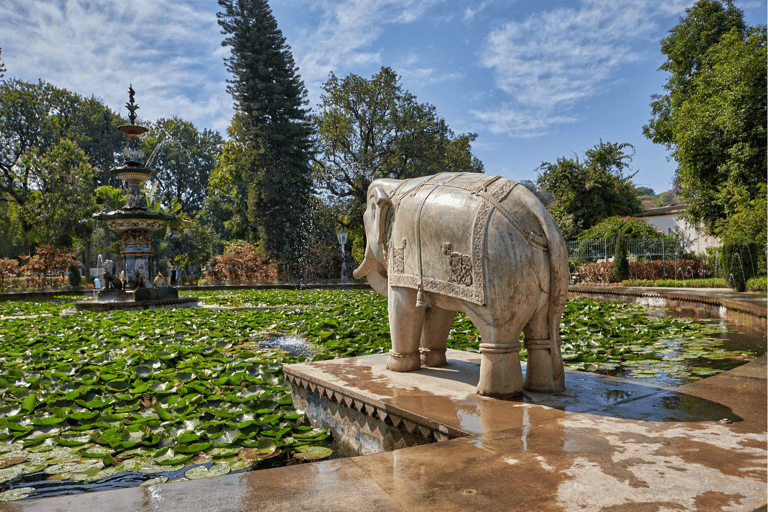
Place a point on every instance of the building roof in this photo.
(670, 209)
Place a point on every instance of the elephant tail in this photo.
(558, 287)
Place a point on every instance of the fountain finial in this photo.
(132, 106)
(132, 130)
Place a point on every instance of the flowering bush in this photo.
(602, 272)
(240, 263)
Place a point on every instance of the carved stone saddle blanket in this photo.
(438, 232)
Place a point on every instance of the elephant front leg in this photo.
(437, 325)
(405, 325)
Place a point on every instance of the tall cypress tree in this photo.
(268, 90)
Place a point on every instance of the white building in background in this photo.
(668, 219)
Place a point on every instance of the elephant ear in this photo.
(383, 202)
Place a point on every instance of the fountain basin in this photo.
(130, 300)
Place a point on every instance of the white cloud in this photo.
(345, 35)
(169, 50)
(519, 122)
(469, 13)
(552, 60)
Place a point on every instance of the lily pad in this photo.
(313, 453)
(8, 474)
(6, 462)
(16, 494)
(198, 472)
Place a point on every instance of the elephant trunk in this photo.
(374, 272)
(368, 264)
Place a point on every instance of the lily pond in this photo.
(95, 401)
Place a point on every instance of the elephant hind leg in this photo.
(437, 325)
(539, 374)
(500, 373)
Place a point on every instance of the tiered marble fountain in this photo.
(135, 288)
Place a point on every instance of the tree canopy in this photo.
(612, 227)
(36, 119)
(183, 158)
(369, 129)
(266, 87)
(587, 192)
(712, 117)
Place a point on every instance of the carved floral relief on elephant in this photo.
(476, 243)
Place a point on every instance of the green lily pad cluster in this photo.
(191, 393)
(613, 337)
(86, 396)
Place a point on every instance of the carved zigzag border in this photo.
(389, 418)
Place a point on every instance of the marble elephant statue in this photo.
(476, 243)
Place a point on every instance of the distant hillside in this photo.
(652, 200)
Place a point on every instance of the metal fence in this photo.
(647, 248)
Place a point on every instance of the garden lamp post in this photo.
(342, 236)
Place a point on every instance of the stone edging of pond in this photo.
(696, 305)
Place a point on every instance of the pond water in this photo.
(239, 339)
(742, 343)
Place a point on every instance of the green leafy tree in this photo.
(613, 227)
(37, 117)
(61, 195)
(2, 66)
(667, 198)
(369, 129)
(644, 191)
(544, 196)
(226, 205)
(712, 118)
(587, 192)
(183, 158)
(268, 90)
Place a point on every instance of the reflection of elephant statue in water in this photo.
(109, 278)
(474, 243)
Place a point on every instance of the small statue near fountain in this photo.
(164, 273)
(109, 278)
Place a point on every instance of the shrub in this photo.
(602, 272)
(620, 263)
(757, 284)
(240, 263)
(8, 270)
(74, 276)
(48, 266)
(712, 282)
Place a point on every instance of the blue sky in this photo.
(536, 80)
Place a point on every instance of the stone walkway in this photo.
(604, 444)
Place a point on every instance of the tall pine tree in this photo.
(268, 90)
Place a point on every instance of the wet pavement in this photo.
(604, 444)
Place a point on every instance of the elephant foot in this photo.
(539, 375)
(500, 373)
(407, 362)
(434, 357)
